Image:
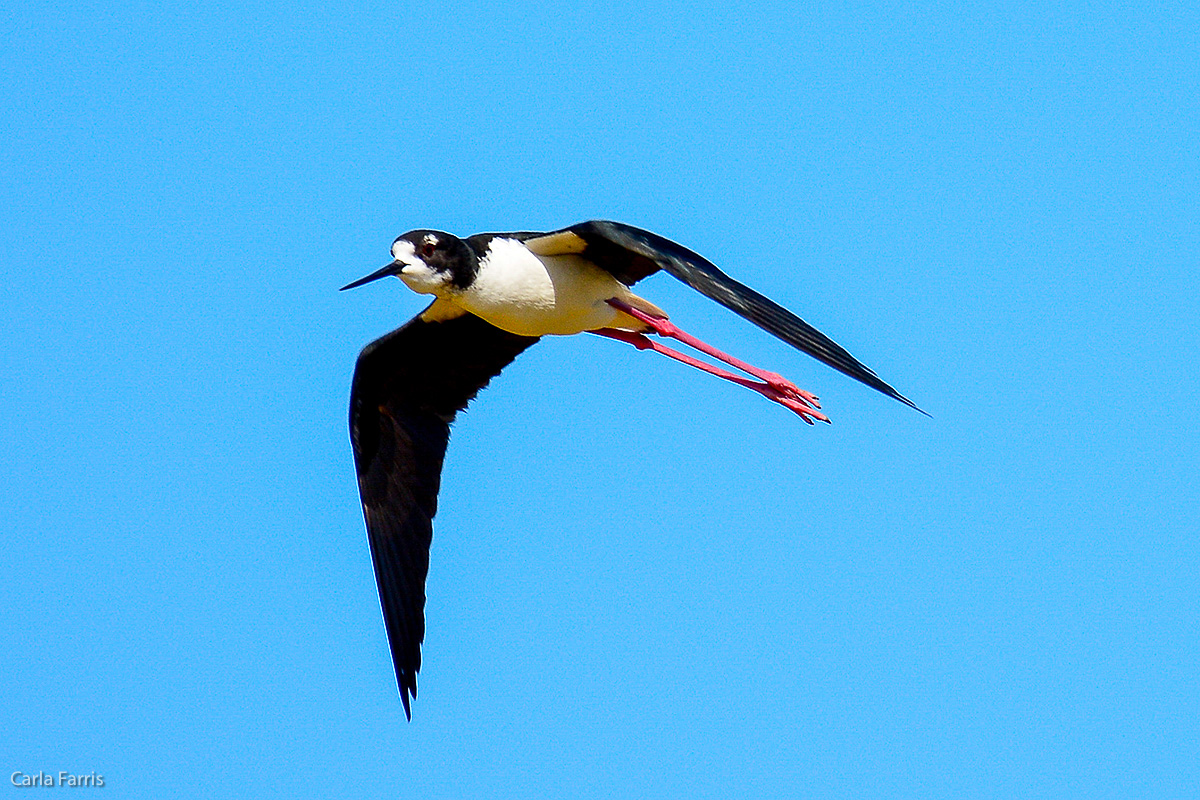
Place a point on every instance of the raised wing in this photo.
(631, 254)
(407, 388)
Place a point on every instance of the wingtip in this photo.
(911, 404)
(407, 707)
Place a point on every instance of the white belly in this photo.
(539, 295)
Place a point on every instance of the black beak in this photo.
(391, 269)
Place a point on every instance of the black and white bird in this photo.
(496, 294)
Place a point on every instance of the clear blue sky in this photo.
(645, 582)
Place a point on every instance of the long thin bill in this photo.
(390, 269)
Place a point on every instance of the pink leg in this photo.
(803, 406)
(664, 327)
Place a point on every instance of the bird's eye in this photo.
(427, 249)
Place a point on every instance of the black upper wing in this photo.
(407, 388)
(631, 254)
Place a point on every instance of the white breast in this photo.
(531, 295)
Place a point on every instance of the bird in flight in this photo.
(496, 294)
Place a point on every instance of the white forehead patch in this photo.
(430, 239)
(404, 252)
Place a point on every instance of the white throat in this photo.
(416, 274)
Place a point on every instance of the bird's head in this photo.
(429, 262)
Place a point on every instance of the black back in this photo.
(408, 386)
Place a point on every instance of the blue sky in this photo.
(645, 582)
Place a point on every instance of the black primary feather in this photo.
(407, 388)
(630, 254)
